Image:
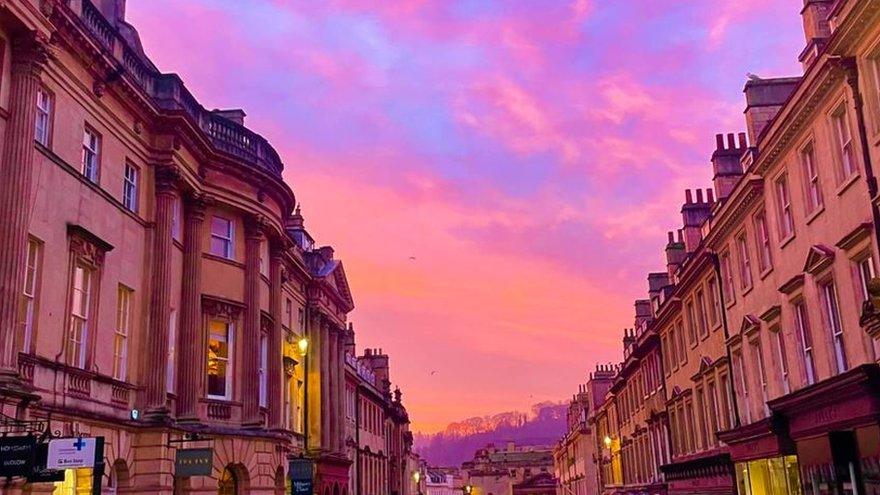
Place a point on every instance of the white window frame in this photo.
(91, 155)
(78, 335)
(782, 356)
(228, 239)
(727, 281)
(833, 322)
(170, 370)
(230, 341)
(130, 180)
(263, 371)
(867, 271)
(714, 303)
(123, 330)
(758, 350)
(43, 123)
(783, 205)
(740, 369)
(813, 186)
(762, 239)
(29, 292)
(805, 337)
(175, 220)
(845, 144)
(745, 262)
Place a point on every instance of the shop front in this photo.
(764, 458)
(835, 426)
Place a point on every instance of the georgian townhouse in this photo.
(574, 467)
(164, 284)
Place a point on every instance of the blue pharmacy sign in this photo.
(302, 476)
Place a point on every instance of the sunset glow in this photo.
(497, 177)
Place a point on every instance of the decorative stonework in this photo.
(87, 247)
(221, 308)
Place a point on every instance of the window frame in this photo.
(77, 352)
(95, 176)
(805, 339)
(785, 214)
(833, 323)
(171, 369)
(745, 262)
(845, 147)
(762, 243)
(815, 199)
(30, 294)
(122, 331)
(49, 114)
(228, 240)
(229, 359)
(131, 187)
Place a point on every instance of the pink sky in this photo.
(529, 154)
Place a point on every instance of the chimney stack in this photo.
(726, 166)
(764, 98)
(693, 214)
(675, 254)
(816, 29)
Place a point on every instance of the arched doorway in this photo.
(228, 484)
(233, 480)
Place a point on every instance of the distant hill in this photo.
(458, 442)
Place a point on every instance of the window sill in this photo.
(815, 213)
(221, 259)
(847, 183)
(785, 242)
(767, 271)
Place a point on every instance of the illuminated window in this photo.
(220, 359)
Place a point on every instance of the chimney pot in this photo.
(671, 237)
(719, 142)
(699, 196)
(688, 198)
(710, 195)
(742, 140)
(730, 142)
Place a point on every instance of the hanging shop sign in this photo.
(193, 462)
(71, 453)
(16, 456)
(301, 476)
(40, 474)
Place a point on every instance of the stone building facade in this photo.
(497, 471)
(378, 439)
(157, 283)
(768, 314)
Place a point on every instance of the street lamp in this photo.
(417, 476)
(607, 441)
(467, 489)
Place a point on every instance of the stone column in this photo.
(334, 384)
(29, 56)
(340, 389)
(275, 366)
(167, 177)
(325, 384)
(191, 362)
(253, 231)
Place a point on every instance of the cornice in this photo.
(728, 217)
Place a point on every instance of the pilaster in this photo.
(325, 384)
(191, 364)
(251, 338)
(167, 178)
(275, 365)
(29, 56)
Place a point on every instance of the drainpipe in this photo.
(717, 265)
(852, 78)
